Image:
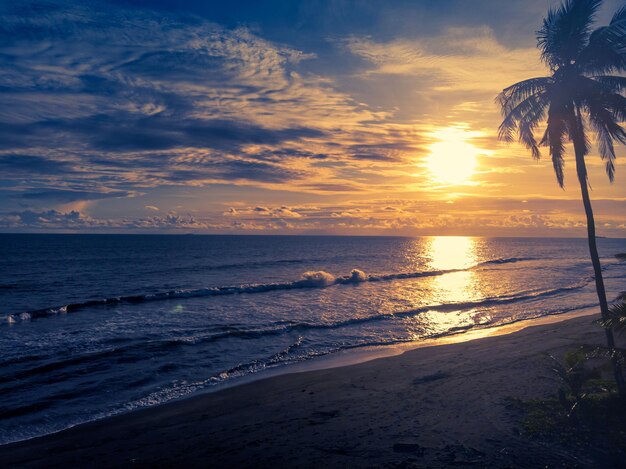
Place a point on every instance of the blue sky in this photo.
(276, 117)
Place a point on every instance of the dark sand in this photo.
(440, 406)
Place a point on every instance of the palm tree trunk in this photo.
(581, 170)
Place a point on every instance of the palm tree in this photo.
(581, 94)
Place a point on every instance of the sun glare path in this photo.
(457, 254)
(452, 159)
(452, 252)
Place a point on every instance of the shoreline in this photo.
(356, 356)
(342, 400)
(347, 357)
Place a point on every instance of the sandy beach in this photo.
(436, 406)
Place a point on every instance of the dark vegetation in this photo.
(586, 411)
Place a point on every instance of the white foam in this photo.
(357, 276)
(318, 278)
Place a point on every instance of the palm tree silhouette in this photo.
(579, 95)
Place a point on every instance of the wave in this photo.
(310, 279)
(135, 351)
(282, 358)
(240, 265)
(507, 260)
(292, 353)
(285, 357)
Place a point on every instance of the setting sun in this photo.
(452, 159)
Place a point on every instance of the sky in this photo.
(347, 117)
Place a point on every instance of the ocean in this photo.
(97, 325)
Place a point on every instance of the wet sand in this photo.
(435, 406)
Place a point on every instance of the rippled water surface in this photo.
(93, 325)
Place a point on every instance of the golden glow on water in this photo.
(451, 252)
(452, 158)
(448, 253)
(456, 287)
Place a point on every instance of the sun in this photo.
(452, 159)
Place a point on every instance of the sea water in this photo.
(96, 325)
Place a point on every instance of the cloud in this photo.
(120, 98)
(110, 110)
(252, 170)
(373, 216)
(330, 187)
(169, 221)
(65, 196)
(286, 212)
(50, 219)
(122, 132)
(13, 163)
(259, 211)
(130, 133)
(53, 220)
(456, 60)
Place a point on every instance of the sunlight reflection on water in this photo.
(450, 253)
(455, 252)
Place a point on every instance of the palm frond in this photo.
(528, 113)
(605, 92)
(565, 31)
(607, 129)
(554, 138)
(607, 150)
(616, 103)
(558, 163)
(606, 50)
(613, 83)
(527, 137)
(529, 122)
(616, 319)
(599, 100)
(619, 16)
(582, 94)
(604, 54)
(512, 96)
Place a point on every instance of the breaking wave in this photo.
(137, 349)
(309, 279)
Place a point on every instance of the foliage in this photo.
(600, 421)
(575, 377)
(581, 61)
(587, 411)
(616, 319)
